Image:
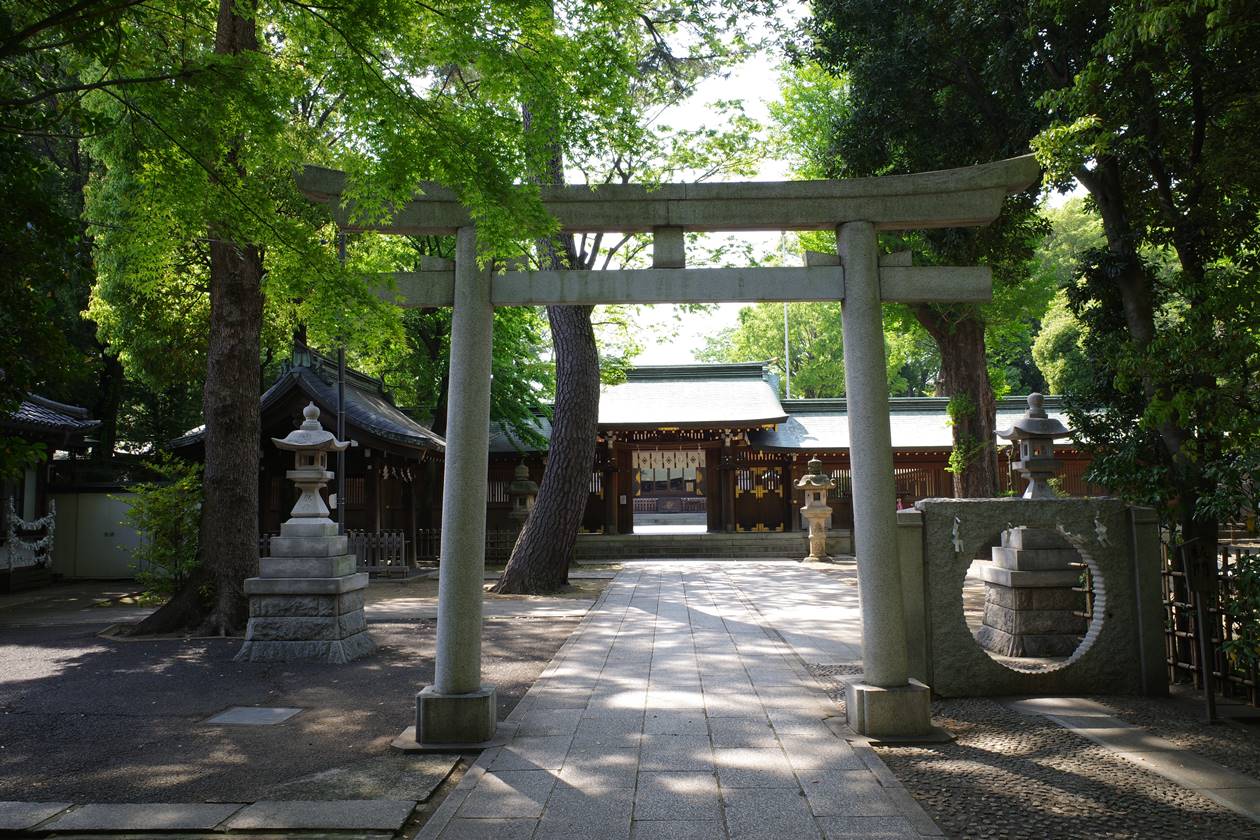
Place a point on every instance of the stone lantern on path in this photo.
(816, 511)
(521, 494)
(307, 601)
(1035, 434)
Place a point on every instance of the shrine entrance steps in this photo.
(792, 545)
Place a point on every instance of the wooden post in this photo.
(728, 487)
(789, 507)
(713, 489)
(610, 491)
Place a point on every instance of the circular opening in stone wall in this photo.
(1032, 601)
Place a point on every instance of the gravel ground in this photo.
(87, 719)
(1012, 776)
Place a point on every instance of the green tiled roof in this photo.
(915, 423)
(692, 397)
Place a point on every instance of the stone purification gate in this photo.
(458, 708)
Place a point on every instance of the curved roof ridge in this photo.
(706, 370)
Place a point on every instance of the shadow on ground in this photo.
(85, 719)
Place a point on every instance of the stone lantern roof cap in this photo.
(1035, 423)
(521, 484)
(815, 478)
(310, 435)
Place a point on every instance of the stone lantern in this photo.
(1035, 434)
(310, 444)
(816, 511)
(521, 493)
(1031, 608)
(307, 601)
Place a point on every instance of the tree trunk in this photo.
(973, 410)
(109, 388)
(213, 600)
(540, 559)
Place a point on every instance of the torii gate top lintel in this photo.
(964, 197)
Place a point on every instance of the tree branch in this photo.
(76, 13)
(98, 85)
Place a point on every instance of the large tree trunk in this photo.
(213, 600)
(965, 380)
(540, 559)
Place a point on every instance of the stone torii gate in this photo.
(458, 708)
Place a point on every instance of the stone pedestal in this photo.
(817, 520)
(470, 717)
(1029, 606)
(307, 602)
(902, 714)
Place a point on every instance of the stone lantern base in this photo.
(1030, 606)
(307, 602)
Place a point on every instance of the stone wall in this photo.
(1123, 649)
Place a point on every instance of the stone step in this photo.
(741, 546)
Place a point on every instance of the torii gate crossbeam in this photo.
(458, 709)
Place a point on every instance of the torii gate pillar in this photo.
(887, 703)
(457, 708)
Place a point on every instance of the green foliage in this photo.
(17, 455)
(1152, 108)
(966, 448)
(1155, 121)
(838, 119)
(166, 514)
(1058, 349)
(1243, 606)
(36, 231)
(1204, 357)
(814, 338)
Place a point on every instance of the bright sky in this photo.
(756, 82)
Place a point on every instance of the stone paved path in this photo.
(677, 711)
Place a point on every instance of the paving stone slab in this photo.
(601, 769)
(546, 752)
(768, 814)
(675, 722)
(665, 753)
(509, 794)
(745, 768)
(742, 732)
(195, 816)
(19, 816)
(846, 793)
(362, 814)
(676, 796)
(540, 722)
(859, 828)
(582, 828)
(679, 830)
(584, 812)
(489, 829)
(252, 716)
(814, 755)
